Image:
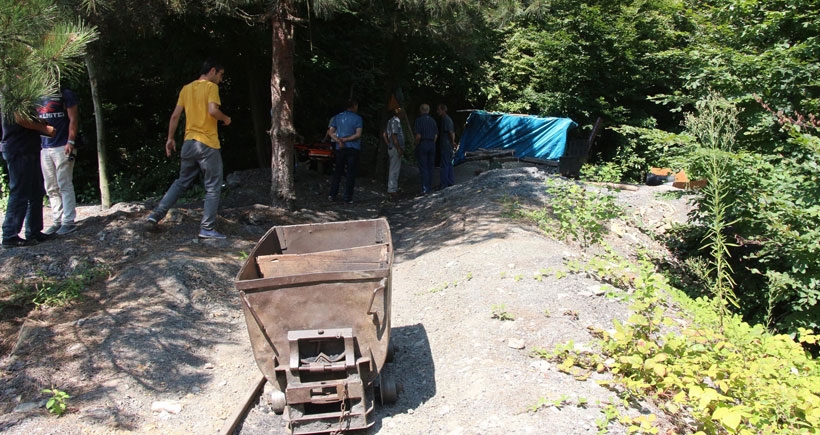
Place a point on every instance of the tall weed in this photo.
(715, 127)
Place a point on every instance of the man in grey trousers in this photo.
(200, 101)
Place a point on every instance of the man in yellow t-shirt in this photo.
(200, 150)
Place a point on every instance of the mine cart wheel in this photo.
(391, 352)
(387, 389)
(277, 401)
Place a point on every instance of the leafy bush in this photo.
(579, 213)
(775, 225)
(646, 147)
(608, 172)
(739, 380)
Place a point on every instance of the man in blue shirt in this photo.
(346, 131)
(426, 133)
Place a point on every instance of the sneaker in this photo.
(66, 229)
(16, 242)
(331, 198)
(348, 201)
(41, 237)
(52, 229)
(151, 223)
(210, 234)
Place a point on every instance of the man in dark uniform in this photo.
(426, 133)
(20, 146)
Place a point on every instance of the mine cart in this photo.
(316, 299)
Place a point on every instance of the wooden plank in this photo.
(376, 252)
(342, 260)
(484, 154)
(275, 270)
(538, 161)
(619, 186)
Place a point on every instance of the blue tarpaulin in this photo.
(529, 136)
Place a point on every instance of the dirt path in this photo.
(161, 345)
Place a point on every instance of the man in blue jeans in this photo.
(346, 131)
(20, 145)
(200, 101)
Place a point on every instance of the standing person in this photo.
(346, 131)
(426, 134)
(447, 142)
(57, 158)
(20, 146)
(200, 150)
(395, 149)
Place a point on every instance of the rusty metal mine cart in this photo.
(316, 299)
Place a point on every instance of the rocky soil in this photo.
(158, 344)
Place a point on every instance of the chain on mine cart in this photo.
(342, 415)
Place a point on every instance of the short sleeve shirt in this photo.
(346, 124)
(54, 111)
(394, 127)
(199, 124)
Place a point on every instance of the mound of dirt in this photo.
(158, 343)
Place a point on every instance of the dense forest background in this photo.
(639, 64)
(645, 66)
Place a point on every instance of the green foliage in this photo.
(734, 379)
(57, 403)
(4, 188)
(578, 213)
(583, 59)
(741, 49)
(647, 147)
(715, 127)
(499, 311)
(144, 172)
(610, 415)
(53, 291)
(774, 217)
(607, 172)
(558, 403)
(38, 47)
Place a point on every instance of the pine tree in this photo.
(38, 46)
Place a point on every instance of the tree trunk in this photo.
(282, 85)
(102, 159)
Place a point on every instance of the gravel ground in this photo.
(161, 346)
